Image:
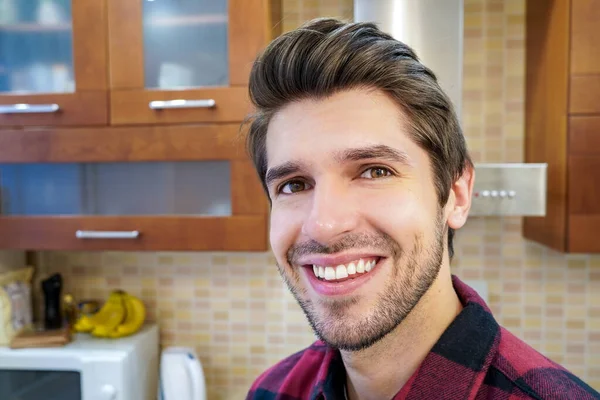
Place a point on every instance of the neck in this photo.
(380, 371)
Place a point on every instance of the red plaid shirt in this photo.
(474, 359)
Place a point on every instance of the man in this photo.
(368, 176)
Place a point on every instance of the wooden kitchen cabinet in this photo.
(53, 64)
(146, 178)
(585, 36)
(151, 188)
(182, 61)
(562, 125)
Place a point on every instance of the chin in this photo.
(351, 338)
(352, 323)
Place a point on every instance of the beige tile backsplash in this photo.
(234, 309)
(11, 259)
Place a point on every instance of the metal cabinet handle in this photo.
(107, 234)
(23, 108)
(172, 104)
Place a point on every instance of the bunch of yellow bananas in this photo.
(121, 315)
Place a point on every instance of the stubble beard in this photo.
(412, 275)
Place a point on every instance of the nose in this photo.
(333, 213)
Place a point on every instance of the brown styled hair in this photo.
(326, 56)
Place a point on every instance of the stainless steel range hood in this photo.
(434, 29)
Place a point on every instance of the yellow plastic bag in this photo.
(16, 312)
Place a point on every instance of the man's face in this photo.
(353, 200)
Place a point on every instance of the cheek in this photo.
(283, 231)
(401, 215)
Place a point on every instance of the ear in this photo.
(459, 201)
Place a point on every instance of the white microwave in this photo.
(88, 368)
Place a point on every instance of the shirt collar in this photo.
(470, 342)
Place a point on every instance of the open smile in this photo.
(342, 279)
(342, 272)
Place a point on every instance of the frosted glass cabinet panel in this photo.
(185, 43)
(113, 189)
(36, 46)
(184, 61)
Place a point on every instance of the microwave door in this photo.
(39, 385)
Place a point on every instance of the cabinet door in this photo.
(584, 95)
(55, 195)
(174, 61)
(584, 184)
(585, 37)
(585, 57)
(53, 63)
(584, 203)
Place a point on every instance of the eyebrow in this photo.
(381, 152)
(280, 171)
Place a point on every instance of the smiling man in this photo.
(368, 176)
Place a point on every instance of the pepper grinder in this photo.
(52, 287)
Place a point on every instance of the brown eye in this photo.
(376, 172)
(293, 187)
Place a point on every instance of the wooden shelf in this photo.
(36, 28)
(187, 20)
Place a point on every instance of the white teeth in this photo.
(360, 267)
(351, 269)
(341, 272)
(329, 273)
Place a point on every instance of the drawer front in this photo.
(183, 233)
(584, 94)
(170, 107)
(584, 135)
(70, 109)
